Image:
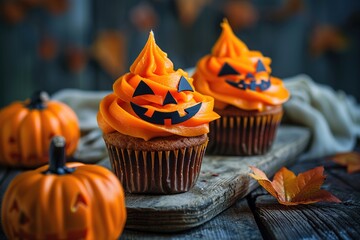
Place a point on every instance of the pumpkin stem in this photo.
(38, 100)
(57, 158)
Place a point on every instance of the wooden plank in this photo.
(351, 180)
(315, 221)
(222, 181)
(237, 222)
(338, 181)
(3, 172)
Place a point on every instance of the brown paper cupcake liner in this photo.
(158, 172)
(243, 135)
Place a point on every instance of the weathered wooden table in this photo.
(260, 216)
(257, 215)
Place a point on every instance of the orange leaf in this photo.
(109, 49)
(349, 159)
(290, 189)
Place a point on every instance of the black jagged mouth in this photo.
(160, 117)
(251, 82)
(252, 85)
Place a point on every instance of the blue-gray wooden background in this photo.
(286, 40)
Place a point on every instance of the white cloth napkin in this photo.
(91, 147)
(332, 116)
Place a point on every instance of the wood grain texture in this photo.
(315, 221)
(237, 222)
(3, 172)
(221, 182)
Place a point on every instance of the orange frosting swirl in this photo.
(247, 85)
(154, 100)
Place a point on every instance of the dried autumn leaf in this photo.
(109, 50)
(290, 189)
(189, 10)
(349, 159)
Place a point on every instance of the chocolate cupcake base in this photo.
(165, 165)
(243, 133)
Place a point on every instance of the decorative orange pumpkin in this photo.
(58, 201)
(26, 129)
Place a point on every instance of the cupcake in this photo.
(248, 99)
(155, 125)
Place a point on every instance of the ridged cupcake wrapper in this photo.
(159, 172)
(243, 135)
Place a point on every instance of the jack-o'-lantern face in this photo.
(15, 155)
(63, 201)
(248, 81)
(24, 226)
(159, 117)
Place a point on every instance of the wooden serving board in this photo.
(222, 181)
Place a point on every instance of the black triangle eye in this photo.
(184, 85)
(227, 70)
(143, 89)
(169, 99)
(14, 206)
(250, 76)
(260, 67)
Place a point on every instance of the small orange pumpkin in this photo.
(26, 129)
(64, 201)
